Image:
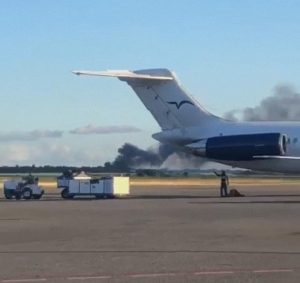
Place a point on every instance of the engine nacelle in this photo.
(241, 147)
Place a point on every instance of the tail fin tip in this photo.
(125, 74)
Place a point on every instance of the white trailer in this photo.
(108, 187)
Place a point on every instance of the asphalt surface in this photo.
(159, 234)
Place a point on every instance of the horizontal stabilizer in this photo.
(125, 74)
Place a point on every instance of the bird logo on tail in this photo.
(179, 104)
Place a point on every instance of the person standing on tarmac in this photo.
(224, 183)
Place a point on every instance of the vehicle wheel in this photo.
(18, 195)
(27, 193)
(8, 194)
(65, 193)
(108, 196)
(37, 196)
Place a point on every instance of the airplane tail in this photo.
(161, 93)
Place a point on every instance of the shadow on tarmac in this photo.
(247, 201)
(146, 197)
(222, 200)
(254, 252)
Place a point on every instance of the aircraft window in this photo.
(289, 140)
(295, 140)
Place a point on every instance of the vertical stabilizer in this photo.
(161, 93)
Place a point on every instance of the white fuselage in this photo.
(184, 136)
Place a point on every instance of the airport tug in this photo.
(27, 188)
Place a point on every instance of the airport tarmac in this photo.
(158, 234)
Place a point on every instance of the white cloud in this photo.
(29, 135)
(15, 153)
(45, 153)
(91, 129)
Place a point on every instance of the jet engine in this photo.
(241, 147)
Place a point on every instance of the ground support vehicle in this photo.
(108, 187)
(20, 189)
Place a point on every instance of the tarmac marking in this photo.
(24, 280)
(89, 277)
(213, 272)
(153, 275)
(272, 270)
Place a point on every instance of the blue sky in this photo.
(228, 54)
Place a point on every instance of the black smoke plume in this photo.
(283, 105)
(166, 156)
(132, 156)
